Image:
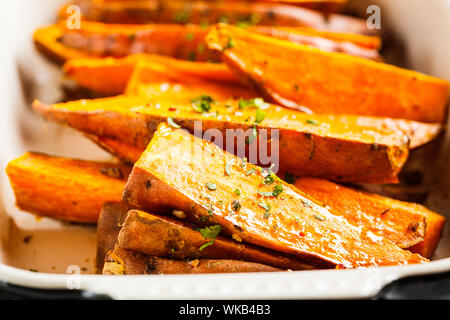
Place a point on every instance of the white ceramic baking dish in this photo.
(57, 250)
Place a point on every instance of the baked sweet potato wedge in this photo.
(126, 262)
(298, 76)
(372, 149)
(111, 217)
(62, 188)
(110, 76)
(209, 12)
(102, 40)
(161, 83)
(96, 39)
(409, 225)
(169, 238)
(182, 172)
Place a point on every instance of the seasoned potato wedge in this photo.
(298, 76)
(181, 172)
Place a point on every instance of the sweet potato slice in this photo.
(296, 76)
(235, 12)
(404, 223)
(63, 188)
(169, 238)
(100, 40)
(183, 42)
(110, 75)
(374, 149)
(111, 217)
(126, 262)
(182, 172)
(322, 143)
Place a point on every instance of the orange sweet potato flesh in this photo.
(96, 39)
(333, 147)
(409, 225)
(126, 262)
(110, 76)
(299, 76)
(101, 40)
(169, 238)
(63, 188)
(210, 12)
(111, 217)
(176, 169)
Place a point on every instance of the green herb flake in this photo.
(312, 122)
(228, 166)
(205, 245)
(237, 192)
(244, 162)
(260, 116)
(236, 206)
(172, 123)
(189, 36)
(211, 186)
(202, 103)
(306, 204)
(210, 232)
(266, 214)
(277, 190)
(265, 206)
(249, 172)
(230, 44)
(319, 217)
(268, 180)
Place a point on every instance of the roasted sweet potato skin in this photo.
(329, 82)
(111, 217)
(168, 238)
(126, 262)
(63, 188)
(372, 154)
(176, 169)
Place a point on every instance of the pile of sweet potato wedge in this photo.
(172, 76)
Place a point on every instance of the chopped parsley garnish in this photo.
(260, 116)
(205, 245)
(306, 204)
(211, 186)
(249, 172)
(202, 103)
(268, 180)
(172, 123)
(228, 166)
(319, 217)
(244, 162)
(237, 192)
(289, 177)
(252, 103)
(230, 43)
(277, 190)
(312, 122)
(266, 214)
(265, 206)
(210, 232)
(236, 206)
